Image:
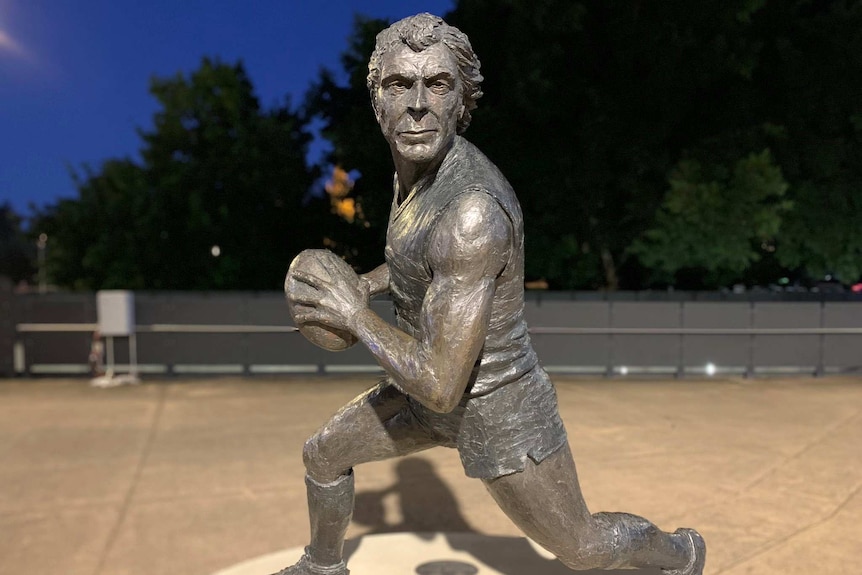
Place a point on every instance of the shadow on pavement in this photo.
(427, 506)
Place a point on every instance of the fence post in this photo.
(7, 329)
(609, 369)
(749, 369)
(244, 343)
(821, 342)
(680, 367)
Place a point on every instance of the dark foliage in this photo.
(219, 201)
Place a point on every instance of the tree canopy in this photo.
(348, 123)
(597, 111)
(651, 144)
(16, 255)
(219, 199)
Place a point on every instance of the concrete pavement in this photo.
(193, 476)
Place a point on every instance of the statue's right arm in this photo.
(467, 250)
(377, 280)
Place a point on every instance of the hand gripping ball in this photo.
(312, 262)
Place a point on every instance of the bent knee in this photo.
(597, 545)
(320, 460)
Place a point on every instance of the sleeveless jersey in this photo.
(507, 354)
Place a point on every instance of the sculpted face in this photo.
(419, 102)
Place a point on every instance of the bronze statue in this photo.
(460, 369)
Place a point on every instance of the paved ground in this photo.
(191, 477)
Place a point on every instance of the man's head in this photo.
(419, 33)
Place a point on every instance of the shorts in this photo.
(495, 433)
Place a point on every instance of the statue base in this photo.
(430, 554)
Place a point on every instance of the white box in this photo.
(116, 312)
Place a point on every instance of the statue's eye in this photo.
(440, 86)
(398, 86)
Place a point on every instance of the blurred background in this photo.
(201, 145)
(691, 181)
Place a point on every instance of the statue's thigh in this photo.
(378, 424)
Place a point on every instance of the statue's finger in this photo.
(303, 297)
(309, 279)
(336, 268)
(313, 316)
(306, 315)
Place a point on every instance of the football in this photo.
(310, 261)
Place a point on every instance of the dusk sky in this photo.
(74, 73)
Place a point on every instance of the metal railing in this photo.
(608, 368)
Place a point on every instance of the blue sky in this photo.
(74, 73)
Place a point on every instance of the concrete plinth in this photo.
(429, 554)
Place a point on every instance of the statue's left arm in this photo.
(377, 280)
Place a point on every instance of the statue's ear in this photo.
(374, 105)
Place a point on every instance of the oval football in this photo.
(321, 335)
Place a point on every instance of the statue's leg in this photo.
(376, 425)
(545, 501)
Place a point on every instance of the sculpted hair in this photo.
(419, 32)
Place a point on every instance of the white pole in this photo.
(41, 244)
(133, 355)
(110, 371)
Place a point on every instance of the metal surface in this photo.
(7, 330)
(570, 336)
(460, 367)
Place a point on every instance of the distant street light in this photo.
(41, 244)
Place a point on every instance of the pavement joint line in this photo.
(777, 542)
(740, 491)
(51, 507)
(227, 494)
(830, 430)
(136, 477)
(782, 540)
(736, 493)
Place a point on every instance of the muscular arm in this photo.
(377, 280)
(467, 251)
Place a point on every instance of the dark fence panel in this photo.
(648, 352)
(577, 332)
(570, 353)
(796, 352)
(66, 350)
(728, 353)
(842, 352)
(7, 329)
(56, 307)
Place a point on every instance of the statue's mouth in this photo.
(416, 132)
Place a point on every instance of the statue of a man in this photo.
(460, 369)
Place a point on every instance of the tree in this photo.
(100, 240)
(219, 200)
(357, 145)
(810, 83)
(715, 219)
(589, 105)
(591, 108)
(16, 255)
